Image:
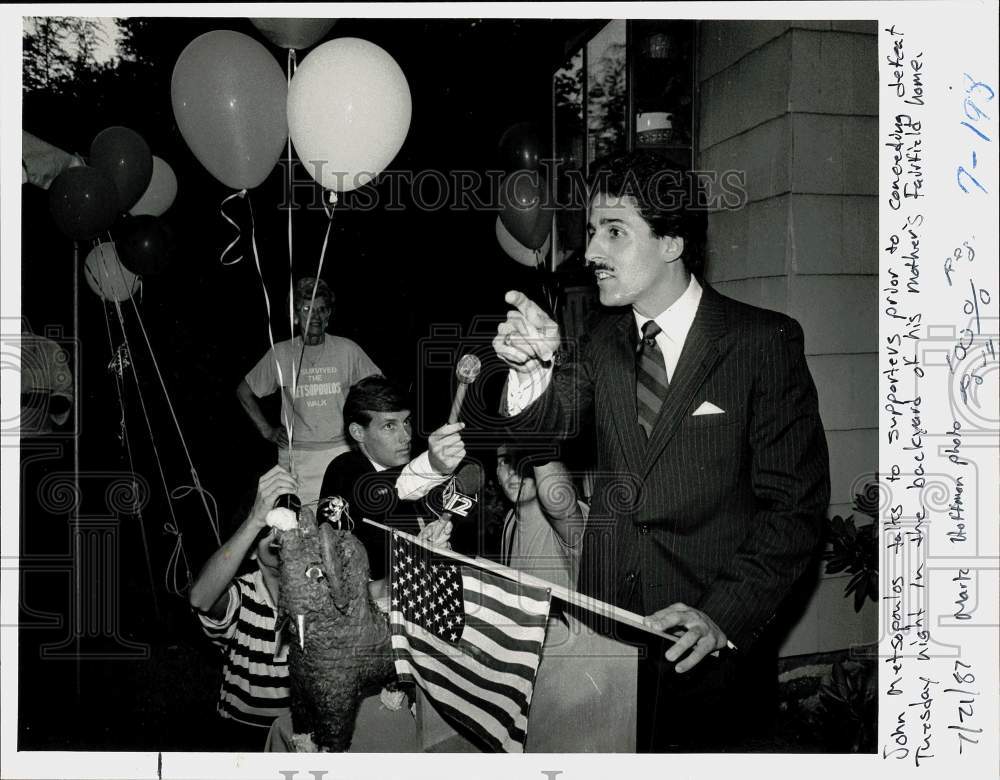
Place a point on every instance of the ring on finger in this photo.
(506, 340)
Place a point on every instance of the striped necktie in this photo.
(651, 383)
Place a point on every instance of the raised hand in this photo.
(445, 448)
(437, 533)
(272, 484)
(528, 337)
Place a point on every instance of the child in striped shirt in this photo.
(239, 614)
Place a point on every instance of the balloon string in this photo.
(136, 284)
(332, 197)
(212, 521)
(287, 419)
(185, 490)
(172, 525)
(225, 216)
(547, 285)
(182, 491)
(177, 556)
(290, 70)
(127, 441)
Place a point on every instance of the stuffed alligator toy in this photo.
(340, 648)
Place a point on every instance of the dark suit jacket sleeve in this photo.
(369, 494)
(334, 482)
(791, 484)
(558, 412)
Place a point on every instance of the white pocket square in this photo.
(707, 407)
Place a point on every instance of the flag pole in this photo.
(562, 593)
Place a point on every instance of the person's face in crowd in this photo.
(517, 489)
(632, 266)
(322, 309)
(386, 439)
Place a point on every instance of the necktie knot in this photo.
(650, 330)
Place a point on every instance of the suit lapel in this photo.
(699, 356)
(623, 412)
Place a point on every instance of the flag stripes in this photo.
(472, 658)
(500, 641)
(488, 722)
(470, 639)
(499, 690)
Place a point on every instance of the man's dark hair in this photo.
(523, 459)
(665, 196)
(519, 461)
(372, 394)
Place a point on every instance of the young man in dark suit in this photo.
(712, 467)
(378, 479)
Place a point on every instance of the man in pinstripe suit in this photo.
(712, 472)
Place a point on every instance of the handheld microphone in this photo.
(467, 370)
(461, 493)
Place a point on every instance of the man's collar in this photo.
(376, 466)
(675, 321)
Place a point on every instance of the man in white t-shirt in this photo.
(321, 368)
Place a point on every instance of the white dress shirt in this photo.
(675, 323)
(417, 478)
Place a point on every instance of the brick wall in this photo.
(794, 105)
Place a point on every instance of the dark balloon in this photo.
(145, 244)
(520, 148)
(523, 189)
(83, 201)
(293, 33)
(525, 210)
(125, 157)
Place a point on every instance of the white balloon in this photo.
(160, 193)
(516, 250)
(106, 276)
(349, 110)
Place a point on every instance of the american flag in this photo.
(470, 639)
